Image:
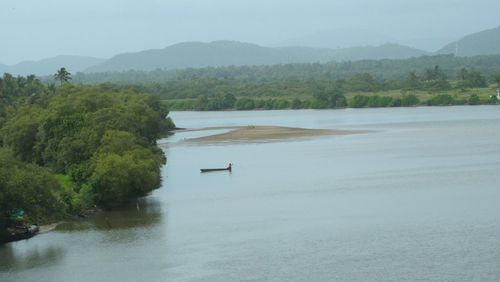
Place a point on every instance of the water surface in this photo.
(416, 199)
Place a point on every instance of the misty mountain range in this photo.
(49, 65)
(481, 43)
(338, 38)
(225, 53)
(319, 47)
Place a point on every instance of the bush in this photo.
(441, 100)
(296, 104)
(359, 101)
(473, 100)
(409, 100)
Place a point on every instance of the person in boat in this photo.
(229, 166)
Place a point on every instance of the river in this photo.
(414, 199)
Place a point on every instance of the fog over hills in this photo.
(104, 29)
(385, 51)
(485, 42)
(217, 53)
(339, 38)
(429, 44)
(226, 53)
(50, 65)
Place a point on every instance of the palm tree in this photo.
(62, 75)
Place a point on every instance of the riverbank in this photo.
(50, 226)
(264, 133)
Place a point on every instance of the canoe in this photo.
(216, 169)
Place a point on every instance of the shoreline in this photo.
(264, 133)
(48, 227)
(51, 226)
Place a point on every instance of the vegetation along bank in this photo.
(68, 148)
(425, 81)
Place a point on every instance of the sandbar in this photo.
(264, 133)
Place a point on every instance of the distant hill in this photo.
(226, 53)
(429, 43)
(326, 46)
(49, 66)
(217, 53)
(486, 42)
(386, 51)
(338, 38)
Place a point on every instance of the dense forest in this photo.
(427, 80)
(383, 70)
(66, 148)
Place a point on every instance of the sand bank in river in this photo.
(264, 133)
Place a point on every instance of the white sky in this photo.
(36, 29)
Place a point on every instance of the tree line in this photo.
(212, 95)
(304, 86)
(382, 70)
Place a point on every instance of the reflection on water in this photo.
(12, 259)
(101, 235)
(142, 213)
(124, 225)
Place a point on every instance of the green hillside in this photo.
(231, 53)
(486, 42)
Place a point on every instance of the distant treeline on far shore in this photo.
(428, 80)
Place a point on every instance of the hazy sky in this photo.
(35, 29)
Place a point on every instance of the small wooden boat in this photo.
(228, 168)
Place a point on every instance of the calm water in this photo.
(417, 199)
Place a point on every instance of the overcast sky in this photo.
(36, 29)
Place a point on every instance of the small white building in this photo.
(498, 93)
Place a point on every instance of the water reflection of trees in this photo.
(145, 212)
(138, 220)
(10, 260)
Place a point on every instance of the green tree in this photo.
(413, 82)
(473, 100)
(359, 101)
(62, 75)
(409, 100)
(30, 188)
(441, 100)
(124, 168)
(19, 133)
(296, 103)
(435, 80)
(496, 78)
(331, 97)
(470, 79)
(245, 104)
(363, 82)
